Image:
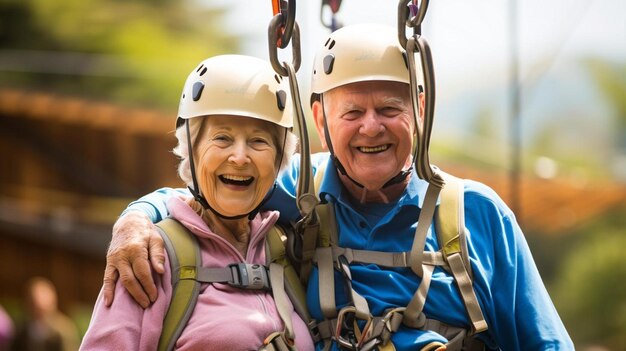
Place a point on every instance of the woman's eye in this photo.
(260, 141)
(221, 138)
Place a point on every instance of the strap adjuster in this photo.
(249, 276)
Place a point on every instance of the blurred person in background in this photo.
(45, 328)
(6, 330)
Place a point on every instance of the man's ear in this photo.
(318, 117)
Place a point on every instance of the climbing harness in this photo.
(277, 276)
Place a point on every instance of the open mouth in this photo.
(374, 149)
(236, 179)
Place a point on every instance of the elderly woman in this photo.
(234, 136)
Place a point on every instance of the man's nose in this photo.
(371, 124)
(239, 154)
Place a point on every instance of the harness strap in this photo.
(326, 282)
(413, 315)
(423, 225)
(386, 259)
(185, 289)
(277, 277)
(361, 309)
(467, 293)
(277, 342)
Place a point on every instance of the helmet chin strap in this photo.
(398, 178)
(197, 195)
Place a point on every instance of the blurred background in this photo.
(531, 100)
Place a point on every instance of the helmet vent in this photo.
(331, 45)
(329, 61)
(203, 71)
(199, 67)
(281, 99)
(406, 60)
(197, 90)
(278, 78)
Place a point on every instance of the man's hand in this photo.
(135, 240)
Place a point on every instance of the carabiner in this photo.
(407, 19)
(287, 10)
(346, 321)
(273, 45)
(418, 44)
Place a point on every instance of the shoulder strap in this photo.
(184, 255)
(450, 219)
(450, 227)
(286, 285)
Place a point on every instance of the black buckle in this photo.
(249, 276)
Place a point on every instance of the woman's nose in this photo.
(239, 154)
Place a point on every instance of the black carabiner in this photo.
(406, 19)
(288, 20)
(422, 162)
(272, 35)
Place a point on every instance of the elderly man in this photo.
(363, 113)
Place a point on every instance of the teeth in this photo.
(373, 149)
(236, 178)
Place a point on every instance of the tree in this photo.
(589, 291)
(135, 52)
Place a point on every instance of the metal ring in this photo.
(273, 46)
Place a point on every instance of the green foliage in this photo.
(611, 80)
(136, 52)
(589, 290)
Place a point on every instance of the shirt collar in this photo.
(331, 187)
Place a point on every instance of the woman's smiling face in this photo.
(236, 162)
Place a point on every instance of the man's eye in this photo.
(352, 114)
(390, 111)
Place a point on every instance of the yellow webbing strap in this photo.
(448, 220)
(450, 225)
(313, 231)
(275, 254)
(184, 255)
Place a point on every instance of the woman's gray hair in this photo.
(182, 150)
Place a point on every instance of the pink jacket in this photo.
(225, 318)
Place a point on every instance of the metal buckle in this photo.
(249, 276)
(345, 321)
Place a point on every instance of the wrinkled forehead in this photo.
(378, 90)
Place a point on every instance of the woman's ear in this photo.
(318, 117)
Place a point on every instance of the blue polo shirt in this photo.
(514, 301)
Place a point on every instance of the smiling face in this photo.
(237, 162)
(371, 129)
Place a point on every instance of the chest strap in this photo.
(188, 273)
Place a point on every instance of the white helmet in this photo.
(236, 85)
(358, 53)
